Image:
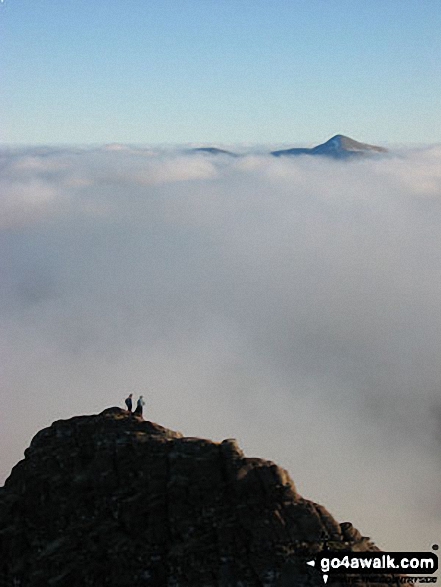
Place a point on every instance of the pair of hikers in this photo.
(139, 404)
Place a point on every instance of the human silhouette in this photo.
(129, 402)
(139, 405)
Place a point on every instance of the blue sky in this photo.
(220, 71)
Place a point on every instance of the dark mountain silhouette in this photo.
(113, 500)
(339, 147)
(212, 151)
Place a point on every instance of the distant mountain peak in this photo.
(212, 151)
(339, 147)
(348, 144)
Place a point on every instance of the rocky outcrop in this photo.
(113, 500)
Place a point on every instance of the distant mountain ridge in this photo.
(213, 151)
(337, 147)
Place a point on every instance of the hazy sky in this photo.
(292, 304)
(167, 71)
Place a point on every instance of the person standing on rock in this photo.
(139, 405)
(128, 402)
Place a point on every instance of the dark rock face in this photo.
(112, 500)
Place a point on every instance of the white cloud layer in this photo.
(291, 303)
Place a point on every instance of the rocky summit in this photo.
(113, 500)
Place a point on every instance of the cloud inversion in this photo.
(292, 304)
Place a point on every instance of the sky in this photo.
(292, 304)
(204, 71)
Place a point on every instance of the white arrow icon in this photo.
(311, 563)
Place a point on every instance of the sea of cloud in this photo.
(293, 304)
